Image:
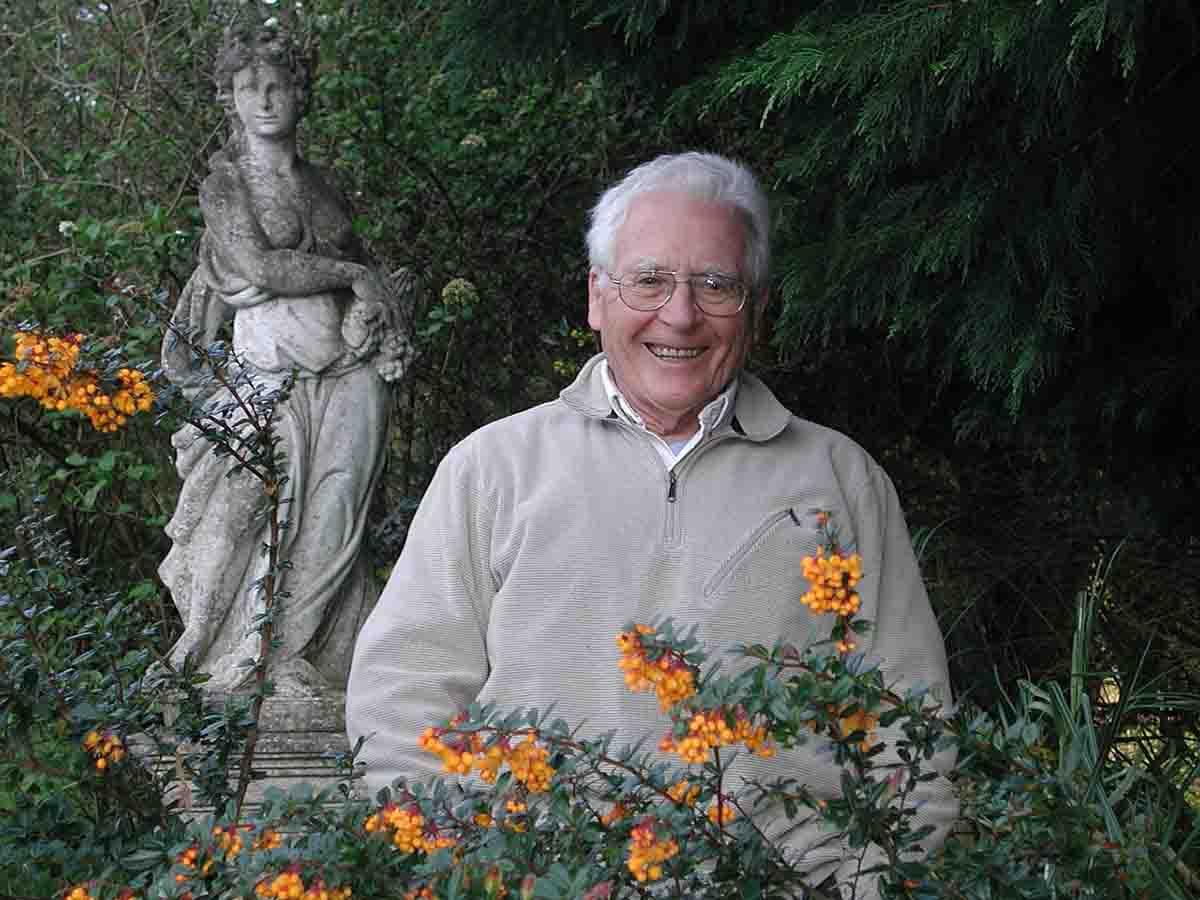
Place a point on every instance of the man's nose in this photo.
(681, 310)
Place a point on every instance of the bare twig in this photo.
(28, 152)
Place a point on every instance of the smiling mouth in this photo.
(662, 351)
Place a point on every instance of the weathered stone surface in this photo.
(298, 744)
(282, 276)
(280, 261)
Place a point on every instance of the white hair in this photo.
(702, 175)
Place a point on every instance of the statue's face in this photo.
(266, 100)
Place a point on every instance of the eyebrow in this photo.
(646, 263)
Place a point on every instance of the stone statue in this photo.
(279, 257)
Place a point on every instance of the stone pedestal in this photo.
(298, 738)
(298, 741)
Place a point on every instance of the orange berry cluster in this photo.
(684, 793)
(526, 760)
(648, 851)
(288, 885)
(82, 892)
(708, 729)
(614, 815)
(832, 580)
(423, 893)
(409, 831)
(849, 723)
(45, 369)
(268, 839)
(722, 813)
(229, 840)
(189, 859)
(106, 748)
(860, 720)
(672, 679)
(528, 763)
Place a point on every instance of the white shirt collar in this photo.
(716, 414)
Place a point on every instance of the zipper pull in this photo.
(671, 488)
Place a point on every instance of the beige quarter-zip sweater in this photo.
(542, 535)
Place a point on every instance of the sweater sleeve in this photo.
(421, 655)
(907, 644)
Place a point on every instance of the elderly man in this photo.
(665, 481)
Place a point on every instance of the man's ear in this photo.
(596, 298)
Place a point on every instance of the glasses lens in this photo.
(650, 289)
(718, 295)
(645, 290)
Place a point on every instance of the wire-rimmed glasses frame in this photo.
(643, 286)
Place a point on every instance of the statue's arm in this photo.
(232, 224)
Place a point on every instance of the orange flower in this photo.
(648, 851)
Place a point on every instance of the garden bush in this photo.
(1074, 772)
(1050, 807)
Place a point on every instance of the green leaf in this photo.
(89, 499)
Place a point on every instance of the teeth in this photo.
(674, 352)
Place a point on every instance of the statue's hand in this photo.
(372, 287)
(377, 322)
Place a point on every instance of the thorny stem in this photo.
(266, 632)
(720, 794)
(266, 474)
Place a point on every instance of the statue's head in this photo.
(266, 51)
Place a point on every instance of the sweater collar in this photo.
(757, 415)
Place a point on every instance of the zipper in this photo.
(668, 532)
(671, 525)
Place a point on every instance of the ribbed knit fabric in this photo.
(545, 534)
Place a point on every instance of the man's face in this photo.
(671, 362)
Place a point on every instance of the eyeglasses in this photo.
(647, 290)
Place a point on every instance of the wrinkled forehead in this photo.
(680, 231)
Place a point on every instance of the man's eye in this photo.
(648, 280)
(717, 283)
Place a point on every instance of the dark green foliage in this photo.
(663, 42)
(71, 659)
(1013, 202)
(986, 260)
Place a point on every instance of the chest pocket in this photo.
(769, 556)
